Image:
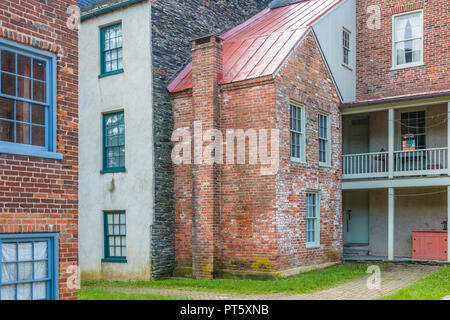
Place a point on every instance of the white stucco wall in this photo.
(412, 213)
(329, 33)
(131, 191)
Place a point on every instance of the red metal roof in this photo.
(259, 46)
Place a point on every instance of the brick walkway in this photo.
(393, 278)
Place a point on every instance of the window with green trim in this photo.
(312, 219)
(115, 236)
(324, 140)
(111, 49)
(113, 142)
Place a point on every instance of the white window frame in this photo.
(327, 163)
(316, 243)
(302, 134)
(348, 48)
(395, 66)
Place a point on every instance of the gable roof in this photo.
(259, 46)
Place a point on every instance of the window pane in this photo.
(9, 272)
(24, 291)
(39, 70)
(23, 88)
(39, 290)
(25, 251)
(6, 131)
(22, 111)
(40, 270)
(22, 133)
(38, 136)
(24, 65)
(8, 292)
(8, 84)
(25, 271)
(38, 114)
(40, 250)
(6, 108)
(39, 91)
(408, 26)
(8, 61)
(9, 252)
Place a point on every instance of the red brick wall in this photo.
(41, 195)
(262, 218)
(305, 80)
(374, 51)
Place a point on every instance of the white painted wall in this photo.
(133, 190)
(329, 33)
(412, 213)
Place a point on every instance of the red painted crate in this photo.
(430, 245)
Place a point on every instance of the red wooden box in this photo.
(430, 245)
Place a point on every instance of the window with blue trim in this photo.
(111, 49)
(27, 111)
(113, 142)
(115, 236)
(28, 267)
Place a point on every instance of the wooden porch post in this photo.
(448, 221)
(448, 137)
(391, 142)
(391, 220)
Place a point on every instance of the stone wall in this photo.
(174, 24)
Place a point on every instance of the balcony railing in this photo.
(406, 163)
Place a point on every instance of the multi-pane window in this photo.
(408, 39)
(111, 49)
(324, 139)
(114, 141)
(26, 101)
(312, 219)
(115, 235)
(413, 130)
(297, 117)
(27, 268)
(346, 46)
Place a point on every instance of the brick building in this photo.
(38, 150)
(359, 94)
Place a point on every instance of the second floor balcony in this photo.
(402, 142)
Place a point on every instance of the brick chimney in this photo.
(206, 73)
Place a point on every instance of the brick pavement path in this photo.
(393, 278)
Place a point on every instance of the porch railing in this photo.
(406, 163)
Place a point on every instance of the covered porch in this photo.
(396, 222)
(387, 142)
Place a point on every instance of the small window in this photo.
(113, 142)
(346, 46)
(413, 131)
(111, 49)
(115, 237)
(408, 39)
(324, 140)
(28, 265)
(312, 219)
(297, 118)
(27, 102)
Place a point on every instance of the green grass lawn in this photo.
(98, 294)
(433, 287)
(304, 283)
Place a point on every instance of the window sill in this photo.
(21, 151)
(298, 161)
(325, 165)
(313, 246)
(107, 74)
(347, 67)
(406, 66)
(114, 260)
(115, 170)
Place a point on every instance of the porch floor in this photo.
(362, 258)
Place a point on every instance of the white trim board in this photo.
(396, 183)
